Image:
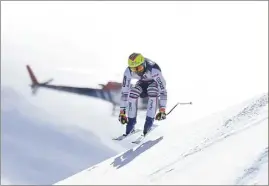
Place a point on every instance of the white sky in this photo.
(212, 53)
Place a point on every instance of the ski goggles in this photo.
(139, 68)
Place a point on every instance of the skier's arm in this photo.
(126, 84)
(158, 77)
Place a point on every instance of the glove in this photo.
(122, 116)
(161, 115)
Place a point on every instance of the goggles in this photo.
(139, 68)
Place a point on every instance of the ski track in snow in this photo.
(251, 172)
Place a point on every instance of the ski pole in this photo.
(186, 103)
(179, 103)
(172, 109)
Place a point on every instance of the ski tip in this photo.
(119, 138)
(135, 142)
(115, 138)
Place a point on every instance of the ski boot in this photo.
(130, 126)
(148, 125)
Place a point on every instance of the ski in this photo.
(139, 139)
(121, 137)
(142, 137)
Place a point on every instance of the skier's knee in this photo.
(152, 91)
(135, 92)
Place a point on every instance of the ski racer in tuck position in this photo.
(150, 83)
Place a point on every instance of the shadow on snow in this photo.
(131, 154)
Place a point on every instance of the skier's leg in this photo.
(132, 107)
(152, 91)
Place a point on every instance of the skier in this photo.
(150, 83)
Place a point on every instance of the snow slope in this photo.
(228, 147)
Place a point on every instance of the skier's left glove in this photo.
(161, 115)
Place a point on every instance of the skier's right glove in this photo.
(122, 116)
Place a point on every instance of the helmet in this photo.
(135, 60)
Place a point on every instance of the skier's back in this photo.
(150, 83)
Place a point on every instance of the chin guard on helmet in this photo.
(138, 69)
